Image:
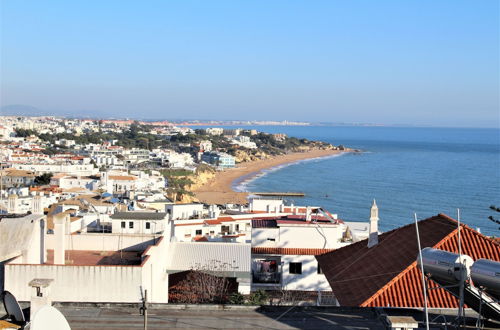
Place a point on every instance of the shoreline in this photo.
(220, 189)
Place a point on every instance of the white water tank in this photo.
(445, 265)
(486, 273)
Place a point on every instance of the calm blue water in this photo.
(407, 170)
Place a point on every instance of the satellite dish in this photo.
(49, 317)
(14, 311)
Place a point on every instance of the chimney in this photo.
(373, 238)
(308, 213)
(36, 205)
(60, 221)
(40, 294)
(12, 204)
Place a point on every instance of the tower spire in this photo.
(373, 236)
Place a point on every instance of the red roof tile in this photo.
(290, 251)
(387, 274)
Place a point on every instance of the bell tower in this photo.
(373, 238)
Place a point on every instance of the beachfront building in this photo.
(172, 159)
(214, 131)
(221, 160)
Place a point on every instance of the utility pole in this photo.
(144, 309)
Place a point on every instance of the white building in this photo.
(184, 211)
(221, 259)
(214, 131)
(100, 274)
(139, 222)
(75, 169)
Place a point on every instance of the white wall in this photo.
(311, 236)
(139, 226)
(266, 205)
(154, 272)
(119, 284)
(184, 211)
(264, 237)
(299, 236)
(103, 242)
(77, 283)
(309, 280)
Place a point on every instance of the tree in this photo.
(43, 179)
(492, 218)
(203, 285)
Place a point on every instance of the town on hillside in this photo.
(95, 211)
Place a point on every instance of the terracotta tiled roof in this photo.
(290, 251)
(122, 177)
(387, 274)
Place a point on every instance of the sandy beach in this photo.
(219, 189)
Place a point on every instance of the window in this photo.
(224, 229)
(148, 225)
(131, 224)
(320, 271)
(237, 227)
(198, 232)
(123, 224)
(272, 239)
(295, 268)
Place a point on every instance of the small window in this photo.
(123, 224)
(295, 268)
(148, 225)
(131, 224)
(237, 227)
(198, 232)
(320, 271)
(272, 239)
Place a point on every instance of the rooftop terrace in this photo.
(98, 258)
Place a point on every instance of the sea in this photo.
(407, 170)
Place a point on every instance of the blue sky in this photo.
(416, 62)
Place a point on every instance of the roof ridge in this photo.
(466, 227)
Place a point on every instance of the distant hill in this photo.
(30, 111)
(22, 110)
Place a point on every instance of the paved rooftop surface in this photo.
(277, 318)
(98, 258)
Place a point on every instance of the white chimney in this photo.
(40, 294)
(36, 205)
(308, 213)
(373, 238)
(12, 204)
(60, 221)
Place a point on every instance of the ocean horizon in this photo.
(407, 170)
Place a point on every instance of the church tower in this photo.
(373, 238)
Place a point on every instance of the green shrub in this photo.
(258, 297)
(236, 299)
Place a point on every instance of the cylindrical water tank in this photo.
(486, 273)
(445, 265)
